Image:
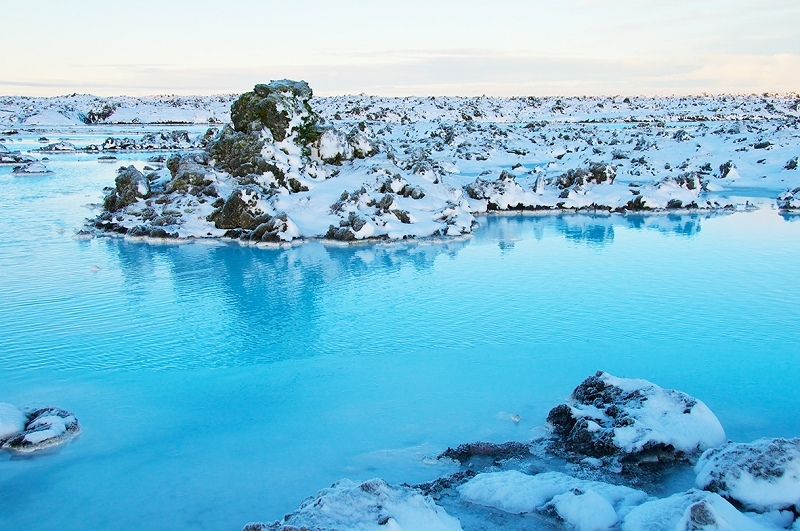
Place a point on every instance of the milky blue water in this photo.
(221, 384)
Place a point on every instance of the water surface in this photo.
(221, 384)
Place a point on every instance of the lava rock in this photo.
(130, 186)
(633, 419)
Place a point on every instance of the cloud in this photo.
(453, 72)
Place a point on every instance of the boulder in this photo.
(274, 107)
(693, 510)
(130, 186)
(31, 168)
(44, 428)
(789, 200)
(760, 476)
(241, 210)
(369, 505)
(633, 419)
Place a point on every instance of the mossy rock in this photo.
(272, 106)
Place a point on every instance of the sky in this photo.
(413, 47)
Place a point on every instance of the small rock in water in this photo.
(45, 427)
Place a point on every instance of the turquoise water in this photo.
(221, 384)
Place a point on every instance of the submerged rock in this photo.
(371, 505)
(760, 476)
(43, 428)
(495, 451)
(633, 419)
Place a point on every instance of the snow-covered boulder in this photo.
(790, 199)
(608, 416)
(59, 147)
(694, 510)
(130, 186)
(43, 428)
(372, 505)
(31, 168)
(12, 420)
(760, 476)
(587, 505)
(14, 157)
(334, 146)
(504, 193)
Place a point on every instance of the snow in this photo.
(763, 475)
(12, 420)
(47, 427)
(690, 511)
(467, 156)
(637, 414)
(663, 418)
(518, 493)
(32, 168)
(587, 511)
(371, 505)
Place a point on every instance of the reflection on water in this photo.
(790, 216)
(590, 229)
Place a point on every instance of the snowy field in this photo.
(219, 384)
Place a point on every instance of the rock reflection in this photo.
(259, 304)
(594, 230)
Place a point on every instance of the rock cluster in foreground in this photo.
(606, 421)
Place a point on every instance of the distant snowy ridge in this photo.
(78, 109)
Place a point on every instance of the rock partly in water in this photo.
(689, 511)
(760, 476)
(12, 420)
(31, 168)
(372, 505)
(789, 200)
(44, 428)
(465, 453)
(582, 503)
(130, 186)
(634, 420)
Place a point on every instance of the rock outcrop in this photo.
(760, 476)
(633, 419)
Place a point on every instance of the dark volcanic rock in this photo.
(241, 210)
(130, 186)
(634, 419)
(496, 451)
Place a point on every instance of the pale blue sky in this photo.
(502, 47)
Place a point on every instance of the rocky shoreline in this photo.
(607, 442)
(280, 172)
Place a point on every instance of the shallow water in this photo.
(221, 384)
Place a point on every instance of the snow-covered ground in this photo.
(421, 167)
